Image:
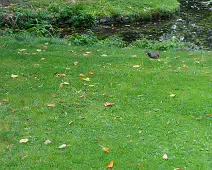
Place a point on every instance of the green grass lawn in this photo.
(160, 107)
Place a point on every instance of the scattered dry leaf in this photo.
(172, 95)
(60, 75)
(14, 76)
(82, 75)
(68, 68)
(61, 85)
(108, 104)
(165, 157)
(90, 73)
(43, 59)
(136, 66)
(105, 149)
(178, 169)
(110, 165)
(62, 146)
(51, 105)
(206, 72)
(75, 63)
(86, 79)
(103, 55)
(23, 140)
(47, 142)
(209, 115)
(38, 50)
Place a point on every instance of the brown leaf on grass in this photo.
(185, 67)
(191, 54)
(209, 115)
(110, 165)
(60, 75)
(43, 59)
(108, 104)
(23, 140)
(90, 73)
(178, 169)
(206, 72)
(105, 149)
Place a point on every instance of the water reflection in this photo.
(191, 24)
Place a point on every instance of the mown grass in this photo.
(161, 107)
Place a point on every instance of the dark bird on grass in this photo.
(155, 55)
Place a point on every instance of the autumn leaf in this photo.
(47, 142)
(23, 140)
(82, 75)
(60, 75)
(108, 104)
(51, 105)
(38, 50)
(165, 157)
(136, 66)
(172, 95)
(110, 165)
(43, 59)
(62, 146)
(14, 76)
(90, 73)
(104, 55)
(75, 63)
(86, 79)
(105, 149)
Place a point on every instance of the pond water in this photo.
(193, 23)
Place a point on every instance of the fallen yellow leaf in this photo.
(86, 79)
(110, 165)
(136, 66)
(107, 150)
(82, 75)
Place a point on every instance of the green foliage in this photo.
(165, 43)
(83, 39)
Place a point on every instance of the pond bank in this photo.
(81, 14)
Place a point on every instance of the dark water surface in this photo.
(193, 23)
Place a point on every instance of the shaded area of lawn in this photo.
(160, 107)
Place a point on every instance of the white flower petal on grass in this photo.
(62, 146)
